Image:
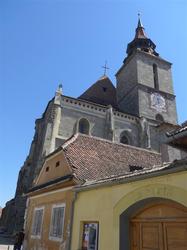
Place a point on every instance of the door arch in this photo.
(161, 225)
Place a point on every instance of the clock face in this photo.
(158, 102)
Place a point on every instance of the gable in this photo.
(102, 92)
(54, 167)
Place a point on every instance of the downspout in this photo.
(25, 224)
(71, 221)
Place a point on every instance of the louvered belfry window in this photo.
(57, 221)
(37, 222)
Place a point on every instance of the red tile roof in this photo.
(178, 130)
(94, 158)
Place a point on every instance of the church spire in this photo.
(140, 31)
(141, 41)
(139, 22)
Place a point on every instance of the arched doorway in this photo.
(160, 225)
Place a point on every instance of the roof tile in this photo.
(94, 158)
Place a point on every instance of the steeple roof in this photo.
(101, 92)
(141, 41)
(140, 31)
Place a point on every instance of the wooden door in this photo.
(160, 227)
(151, 236)
(175, 235)
(146, 236)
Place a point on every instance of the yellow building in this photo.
(93, 194)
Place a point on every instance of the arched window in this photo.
(155, 76)
(124, 139)
(159, 118)
(84, 126)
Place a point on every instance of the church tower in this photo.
(144, 82)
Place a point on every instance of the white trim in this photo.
(50, 157)
(35, 209)
(51, 192)
(26, 213)
(53, 237)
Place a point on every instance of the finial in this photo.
(139, 21)
(60, 87)
(105, 68)
(58, 95)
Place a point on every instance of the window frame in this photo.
(55, 238)
(37, 236)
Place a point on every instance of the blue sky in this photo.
(47, 42)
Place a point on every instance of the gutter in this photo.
(129, 179)
(176, 136)
(50, 183)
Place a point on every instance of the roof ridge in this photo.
(69, 141)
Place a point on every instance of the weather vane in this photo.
(105, 68)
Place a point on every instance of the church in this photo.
(105, 170)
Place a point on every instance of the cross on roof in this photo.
(105, 68)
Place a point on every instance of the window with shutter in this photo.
(37, 222)
(57, 222)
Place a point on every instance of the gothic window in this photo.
(155, 76)
(57, 222)
(159, 118)
(37, 222)
(124, 139)
(84, 126)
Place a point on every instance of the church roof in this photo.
(140, 33)
(178, 137)
(93, 158)
(101, 92)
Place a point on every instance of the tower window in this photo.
(155, 76)
(84, 126)
(159, 118)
